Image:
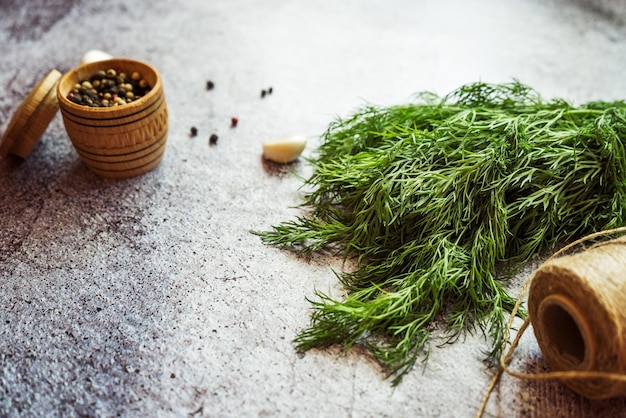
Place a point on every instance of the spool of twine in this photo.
(577, 306)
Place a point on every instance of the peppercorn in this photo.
(209, 85)
(270, 90)
(263, 93)
(109, 88)
(193, 131)
(213, 139)
(233, 122)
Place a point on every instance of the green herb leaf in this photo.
(432, 196)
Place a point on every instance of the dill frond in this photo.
(433, 195)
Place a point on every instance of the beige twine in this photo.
(577, 306)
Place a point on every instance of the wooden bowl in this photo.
(121, 141)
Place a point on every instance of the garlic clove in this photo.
(95, 55)
(284, 150)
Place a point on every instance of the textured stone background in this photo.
(150, 297)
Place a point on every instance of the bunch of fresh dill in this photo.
(433, 196)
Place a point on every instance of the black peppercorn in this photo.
(193, 131)
(213, 139)
(209, 85)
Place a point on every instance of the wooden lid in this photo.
(31, 118)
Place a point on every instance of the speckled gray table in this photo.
(150, 296)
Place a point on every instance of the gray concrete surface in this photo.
(149, 297)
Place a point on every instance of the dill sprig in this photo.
(434, 195)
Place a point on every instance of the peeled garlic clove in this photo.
(95, 55)
(284, 150)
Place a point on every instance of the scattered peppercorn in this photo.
(109, 88)
(193, 131)
(270, 90)
(209, 85)
(263, 93)
(213, 139)
(233, 122)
